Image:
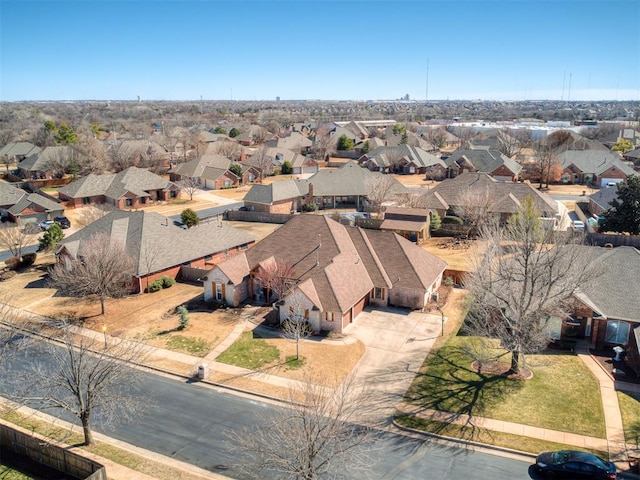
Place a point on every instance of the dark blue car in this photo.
(574, 464)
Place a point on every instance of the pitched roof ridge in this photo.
(375, 256)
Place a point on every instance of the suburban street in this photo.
(188, 421)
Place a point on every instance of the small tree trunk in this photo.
(515, 361)
(102, 310)
(86, 428)
(297, 349)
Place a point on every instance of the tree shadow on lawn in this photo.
(450, 386)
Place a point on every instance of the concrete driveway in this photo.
(397, 342)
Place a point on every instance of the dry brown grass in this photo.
(256, 229)
(456, 259)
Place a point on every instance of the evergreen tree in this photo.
(624, 214)
(51, 237)
(345, 143)
(189, 218)
(436, 222)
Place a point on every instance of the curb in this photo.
(465, 442)
(626, 475)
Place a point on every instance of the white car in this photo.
(46, 224)
(578, 225)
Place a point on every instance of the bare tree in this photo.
(474, 206)
(324, 146)
(13, 324)
(259, 134)
(436, 137)
(524, 277)
(150, 256)
(59, 160)
(123, 155)
(380, 188)
(509, 144)
(91, 213)
(263, 161)
(83, 375)
(189, 185)
(91, 155)
(315, 436)
(228, 149)
(545, 160)
(295, 327)
(102, 268)
(276, 278)
(15, 238)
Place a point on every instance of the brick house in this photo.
(592, 167)
(158, 247)
(130, 188)
(491, 162)
(332, 272)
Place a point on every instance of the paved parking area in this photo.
(397, 342)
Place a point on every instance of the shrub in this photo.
(309, 207)
(167, 281)
(12, 263)
(189, 218)
(448, 282)
(154, 286)
(452, 219)
(28, 259)
(436, 222)
(184, 317)
(287, 168)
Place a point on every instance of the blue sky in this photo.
(328, 50)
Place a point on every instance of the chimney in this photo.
(243, 155)
(310, 194)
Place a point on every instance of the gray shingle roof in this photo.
(460, 190)
(194, 168)
(484, 161)
(21, 149)
(38, 161)
(381, 156)
(349, 179)
(593, 161)
(35, 199)
(619, 267)
(10, 195)
(605, 196)
(143, 232)
(135, 180)
(276, 191)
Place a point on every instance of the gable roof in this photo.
(605, 196)
(19, 149)
(276, 191)
(383, 156)
(10, 195)
(35, 199)
(593, 161)
(468, 186)
(484, 161)
(294, 142)
(149, 234)
(349, 179)
(195, 168)
(135, 180)
(335, 265)
(38, 161)
(619, 267)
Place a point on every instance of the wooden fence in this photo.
(262, 217)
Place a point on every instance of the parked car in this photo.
(46, 224)
(574, 464)
(62, 221)
(578, 225)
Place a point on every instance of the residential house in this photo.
(300, 164)
(139, 153)
(633, 156)
(47, 163)
(592, 167)
(157, 247)
(212, 171)
(19, 206)
(252, 136)
(331, 272)
(605, 314)
(344, 187)
(600, 201)
(130, 188)
(410, 223)
(404, 159)
(500, 199)
(296, 142)
(15, 152)
(482, 161)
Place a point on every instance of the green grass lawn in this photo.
(8, 473)
(249, 352)
(193, 346)
(630, 409)
(562, 395)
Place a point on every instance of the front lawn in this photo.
(630, 410)
(250, 352)
(562, 395)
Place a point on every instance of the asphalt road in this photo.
(188, 422)
(28, 249)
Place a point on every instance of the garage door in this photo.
(346, 320)
(358, 307)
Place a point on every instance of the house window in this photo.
(378, 294)
(328, 316)
(227, 183)
(128, 202)
(208, 257)
(251, 177)
(554, 328)
(617, 332)
(173, 194)
(219, 292)
(86, 200)
(143, 200)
